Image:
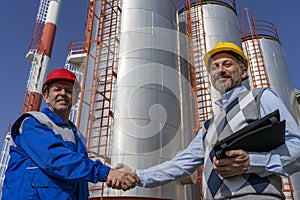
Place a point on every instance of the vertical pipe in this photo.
(50, 27)
(41, 59)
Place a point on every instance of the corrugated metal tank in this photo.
(152, 120)
(279, 79)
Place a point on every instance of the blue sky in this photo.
(17, 20)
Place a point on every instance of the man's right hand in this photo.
(236, 163)
(122, 179)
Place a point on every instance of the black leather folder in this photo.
(262, 135)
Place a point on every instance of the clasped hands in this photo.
(122, 177)
(236, 163)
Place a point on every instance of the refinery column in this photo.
(148, 120)
(40, 57)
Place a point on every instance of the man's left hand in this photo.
(236, 163)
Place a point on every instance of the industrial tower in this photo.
(40, 52)
(126, 43)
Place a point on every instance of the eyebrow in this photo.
(226, 60)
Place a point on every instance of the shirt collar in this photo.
(230, 95)
(55, 118)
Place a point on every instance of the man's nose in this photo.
(221, 68)
(62, 91)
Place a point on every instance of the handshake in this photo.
(122, 177)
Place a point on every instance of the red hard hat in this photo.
(61, 74)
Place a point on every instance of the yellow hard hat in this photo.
(225, 46)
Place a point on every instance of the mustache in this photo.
(222, 75)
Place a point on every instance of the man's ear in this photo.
(244, 73)
(46, 97)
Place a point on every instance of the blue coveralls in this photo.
(48, 165)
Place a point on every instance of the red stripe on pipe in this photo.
(48, 39)
(32, 102)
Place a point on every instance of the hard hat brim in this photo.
(218, 50)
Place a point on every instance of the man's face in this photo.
(59, 98)
(226, 72)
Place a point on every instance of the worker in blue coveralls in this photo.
(242, 175)
(48, 160)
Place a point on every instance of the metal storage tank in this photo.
(221, 24)
(212, 21)
(279, 79)
(152, 120)
(268, 68)
(276, 71)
